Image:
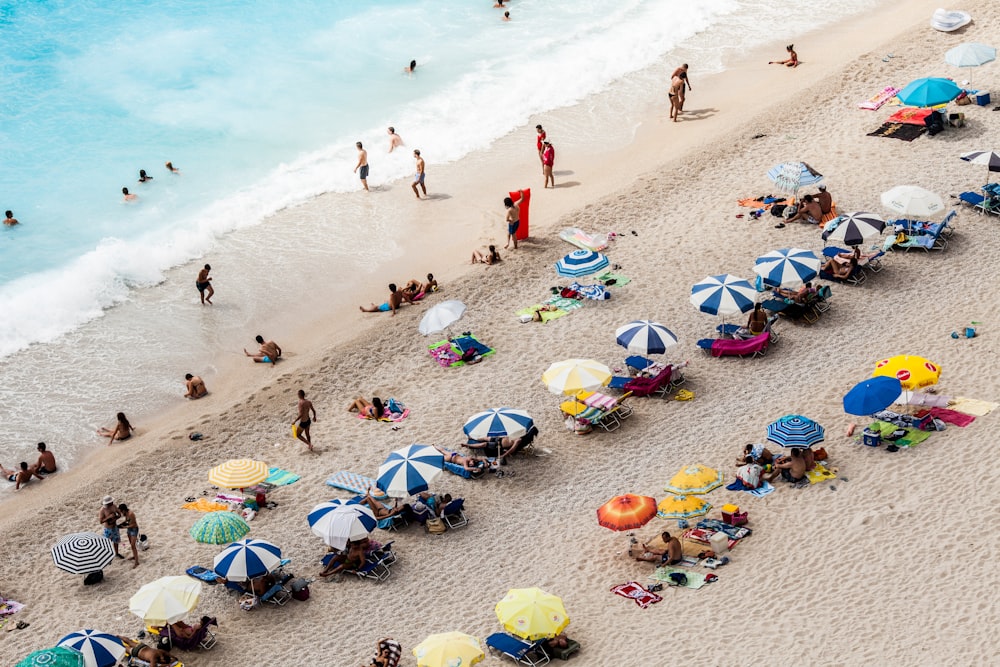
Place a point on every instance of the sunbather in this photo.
(388, 652)
(536, 315)
(793, 468)
(757, 321)
(381, 511)
(154, 656)
(373, 410)
(352, 559)
(395, 300)
(511, 446)
(809, 211)
(185, 631)
(798, 296)
(491, 256)
(825, 200)
(838, 270)
(793, 58)
(470, 463)
(668, 554)
(758, 454)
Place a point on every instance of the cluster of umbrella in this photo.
(891, 382)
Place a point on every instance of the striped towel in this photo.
(600, 401)
(279, 477)
(879, 98)
(350, 481)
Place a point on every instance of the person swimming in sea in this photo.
(412, 66)
(143, 177)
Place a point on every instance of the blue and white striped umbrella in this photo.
(246, 559)
(795, 431)
(581, 263)
(337, 522)
(790, 176)
(497, 423)
(645, 337)
(99, 649)
(788, 267)
(723, 295)
(409, 470)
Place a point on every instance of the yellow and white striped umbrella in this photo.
(238, 474)
(575, 375)
(166, 600)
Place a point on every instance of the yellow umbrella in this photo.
(694, 479)
(448, 649)
(532, 613)
(238, 474)
(166, 600)
(912, 372)
(682, 507)
(575, 375)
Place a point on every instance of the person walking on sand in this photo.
(195, 387)
(395, 141)
(204, 282)
(108, 517)
(46, 463)
(362, 165)
(548, 161)
(10, 220)
(305, 408)
(131, 531)
(267, 354)
(122, 430)
(793, 58)
(418, 178)
(682, 69)
(513, 218)
(20, 477)
(676, 96)
(539, 140)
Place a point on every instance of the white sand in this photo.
(893, 566)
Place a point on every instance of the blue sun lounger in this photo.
(520, 651)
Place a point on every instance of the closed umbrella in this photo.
(693, 480)
(970, 54)
(238, 474)
(247, 559)
(219, 528)
(83, 553)
(723, 295)
(441, 316)
(790, 176)
(856, 229)
(498, 423)
(57, 656)
(788, 267)
(166, 600)
(575, 375)
(988, 159)
(682, 507)
(626, 512)
(409, 471)
(581, 263)
(929, 92)
(795, 431)
(645, 337)
(912, 372)
(872, 395)
(912, 200)
(99, 649)
(338, 524)
(532, 614)
(448, 649)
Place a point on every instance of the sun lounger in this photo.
(856, 277)
(519, 650)
(984, 203)
(453, 514)
(581, 239)
(203, 574)
(136, 662)
(204, 638)
(731, 347)
(355, 483)
(876, 101)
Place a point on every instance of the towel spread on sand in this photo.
(910, 116)
(874, 102)
(913, 436)
(449, 353)
(634, 591)
(695, 579)
(546, 315)
(758, 203)
(898, 131)
(594, 292)
(581, 239)
(973, 406)
(444, 355)
(761, 491)
(562, 303)
(949, 416)
(8, 607)
(388, 416)
(279, 477)
(820, 473)
(350, 481)
(205, 505)
(620, 280)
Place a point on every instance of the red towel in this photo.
(949, 416)
(635, 591)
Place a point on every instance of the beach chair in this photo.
(385, 553)
(984, 203)
(519, 650)
(373, 568)
(638, 363)
(203, 639)
(731, 347)
(277, 595)
(657, 385)
(136, 662)
(453, 514)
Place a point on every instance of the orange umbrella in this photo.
(626, 512)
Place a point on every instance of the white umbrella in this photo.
(970, 54)
(166, 600)
(912, 200)
(441, 316)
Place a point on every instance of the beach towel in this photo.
(761, 491)
(8, 607)
(203, 574)
(456, 469)
(620, 280)
(898, 131)
(973, 406)
(634, 591)
(387, 415)
(703, 536)
(444, 355)
(820, 473)
(206, 505)
(913, 436)
(581, 239)
(547, 315)
(734, 532)
(949, 416)
(229, 498)
(279, 477)
(470, 342)
(695, 579)
(562, 303)
(910, 116)
(355, 483)
(829, 217)
(593, 292)
(766, 202)
(878, 99)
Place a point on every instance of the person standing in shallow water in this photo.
(418, 177)
(204, 282)
(362, 165)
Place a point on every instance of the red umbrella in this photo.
(626, 512)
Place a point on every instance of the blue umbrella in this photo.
(497, 423)
(409, 470)
(247, 559)
(929, 92)
(970, 54)
(99, 649)
(581, 263)
(794, 431)
(645, 337)
(790, 176)
(871, 395)
(788, 267)
(723, 295)
(337, 522)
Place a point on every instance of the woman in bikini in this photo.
(121, 431)
(372, 410)
(491, 256)
(793, 58)
(154, 656)
(470, 463)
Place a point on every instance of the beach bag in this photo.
(395, 406)
(93, 578)
(143, 543)
(299, 588)
(568, 293)
(435, 526)
(749, 475)
(678, 579)
(778, 210)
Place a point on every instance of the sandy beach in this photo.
(890, 563)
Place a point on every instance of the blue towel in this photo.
(468, 342)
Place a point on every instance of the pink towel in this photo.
(600, 401)
(951, 416)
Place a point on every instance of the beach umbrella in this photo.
(238, 474)
(790, 176)
(626, 512)
(409, 471)
(989, 159)
(83, 553)
(795, 431)
(682, 507)
(57, 656)
(441, 316)
(498, 423)
(448, 649)
(575, 375)
(912, 372)
(928, 92)
(166, 600)
(247, 559)
(338, 524)
(696, 479)
(857, 228)
(581, 263)
(99, 649)
(970, 54)
(645, 337)
(872, 395)
(723, 295)
(220, 527)
(532, 614)
(912, 200)
(788, 267)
